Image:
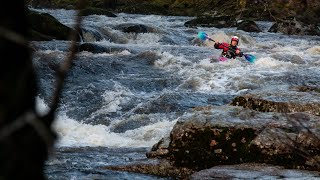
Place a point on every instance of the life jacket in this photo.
(228, 51)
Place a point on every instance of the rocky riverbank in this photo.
(288, 16)
(280, 128)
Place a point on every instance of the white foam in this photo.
(72, 133)
(125, 53)
(166, 60)
(143, 38)
(41, 107)
(269, 62)
(314, 50)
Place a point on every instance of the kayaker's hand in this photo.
(237, 51)
(217, 42)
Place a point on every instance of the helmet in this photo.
(235, 38)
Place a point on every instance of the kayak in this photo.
(218, 59)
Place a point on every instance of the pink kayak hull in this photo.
(222, 58)
(218, 59)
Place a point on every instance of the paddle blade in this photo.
(202, 35)
(250, 58)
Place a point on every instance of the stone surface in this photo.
(232, 135)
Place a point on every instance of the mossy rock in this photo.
(96, 11)
(144, 8)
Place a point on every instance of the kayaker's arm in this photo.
(216, 45)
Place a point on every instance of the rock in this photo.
(285, 105)
(143, 7)
(96, 11)
(134, 28)
(112, 4)
(252, 171)
(248, 26)
(162, 169)
(91, 35)
(46, 27)
(232, 135)
(293, 27)
(160, 149)
(212, 21)
(304, 11)
(95, 48)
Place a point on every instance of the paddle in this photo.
(203, 36)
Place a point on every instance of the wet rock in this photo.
(279, 102)
(134, 28)
(45, 27)
(160, 149)
(95, 48)
(248, 26)
(293, 27)
(91, 35)
(180, 102)
(233, 135)
(308, 89)
(212, 21)
(162, 169)
(252, 171)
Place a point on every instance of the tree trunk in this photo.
(23, 148)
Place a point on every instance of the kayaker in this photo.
(229, 50)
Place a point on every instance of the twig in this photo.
(64, 68)
(28, 118)
(13, 37)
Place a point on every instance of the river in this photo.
(116, 105)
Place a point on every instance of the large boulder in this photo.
(293, 27)
(46, 27)
(231, 135)
(134, 28)
(212, 21)
(248, 26)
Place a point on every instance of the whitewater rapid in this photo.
(182, 65)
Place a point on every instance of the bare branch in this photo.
(14, 37)
(66, 65)
(28, 118)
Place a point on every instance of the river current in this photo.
(117, 104)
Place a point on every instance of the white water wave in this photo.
(72, 133)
